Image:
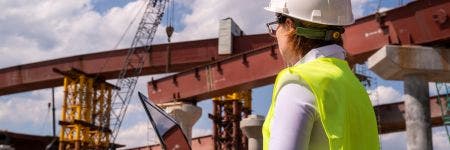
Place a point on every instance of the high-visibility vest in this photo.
(344, 107)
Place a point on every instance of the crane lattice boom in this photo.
(134, 61)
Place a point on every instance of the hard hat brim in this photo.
(285, 12)
(273, 10)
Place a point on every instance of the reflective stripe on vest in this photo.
(342, 102)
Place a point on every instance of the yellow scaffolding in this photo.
(85, 112)
(228, 110)
(245, 97)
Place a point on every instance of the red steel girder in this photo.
(183, 55)
(391, 117)
(422, 22)
(240, 72)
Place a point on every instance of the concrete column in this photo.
(252, 128)
(227, 30)
(415, 65)
(417, 113)
(185, 114)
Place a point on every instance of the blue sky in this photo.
(36, 30)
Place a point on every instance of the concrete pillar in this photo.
(185, 114)
(415, 65)
(227, 30)
(417, 113)
(252, 128)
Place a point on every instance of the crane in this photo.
(133, 63)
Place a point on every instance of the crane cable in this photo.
(169, 31)
(378, 6)
(125, 32)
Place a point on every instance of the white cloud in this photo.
(142, 134)
(29, 112)
(139, 134)
(397, 140)
(383, 9)
(197, 132)
(440, 139)
(440, 88)
(358, 7)
(47, 29)
(384, 95)
(203, 22)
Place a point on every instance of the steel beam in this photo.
(391, 117)
(241, 72)
(184, 55)
(422, 22)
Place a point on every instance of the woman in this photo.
(317, 103)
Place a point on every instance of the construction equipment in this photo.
(133, 63)
(85, 111)
(228, 111)
(88, 126)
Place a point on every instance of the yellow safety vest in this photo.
(344, 107)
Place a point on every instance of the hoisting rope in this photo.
(169, 31)
(126, 31)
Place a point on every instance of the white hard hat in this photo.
(328, 12)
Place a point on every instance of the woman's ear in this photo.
(290, 24)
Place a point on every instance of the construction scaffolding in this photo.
(228, 111)
(85, 111)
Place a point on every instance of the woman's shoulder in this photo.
(299, 96)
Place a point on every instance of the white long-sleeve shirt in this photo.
(296, 123)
